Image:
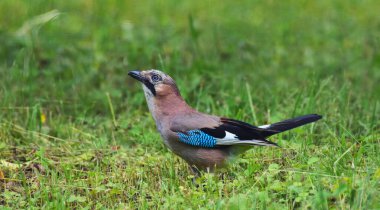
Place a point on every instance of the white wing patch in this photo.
(230, 136)
(231, 139)
(264, 126)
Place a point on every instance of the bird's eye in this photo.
(156, 78)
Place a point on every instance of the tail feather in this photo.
(289, 124)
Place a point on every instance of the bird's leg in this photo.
(196, 172)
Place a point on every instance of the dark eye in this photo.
(156, 78)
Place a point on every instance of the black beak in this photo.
(136, 75)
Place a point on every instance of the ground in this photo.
(75, 131)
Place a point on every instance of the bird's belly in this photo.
(202, 158)
(206, 159)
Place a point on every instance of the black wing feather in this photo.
(242, 130)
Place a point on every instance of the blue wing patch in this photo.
(197, 138)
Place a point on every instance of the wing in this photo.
(209, 131)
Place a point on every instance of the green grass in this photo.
(257, 61)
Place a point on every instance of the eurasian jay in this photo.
(204, 141)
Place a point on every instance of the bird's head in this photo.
(155, 82)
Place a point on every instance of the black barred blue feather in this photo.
(197, 138)
(204, 139)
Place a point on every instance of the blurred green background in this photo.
(73, 122)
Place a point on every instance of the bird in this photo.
(206, 142)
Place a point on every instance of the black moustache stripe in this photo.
(150, 86)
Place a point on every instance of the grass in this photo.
(75, 131)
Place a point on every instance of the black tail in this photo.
(290, 124)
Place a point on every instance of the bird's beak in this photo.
(137, 75)
(140, 77)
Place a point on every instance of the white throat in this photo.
(149, 100)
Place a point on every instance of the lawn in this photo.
(75, 131)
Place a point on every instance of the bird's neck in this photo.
(170, 105)
(163, 107)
